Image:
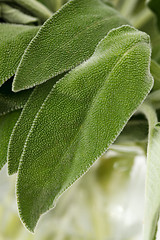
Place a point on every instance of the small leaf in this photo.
(83, 114)
(13, 41)
(14, 15)
(36, 8)
(10, 101)
(7, 123)
(24, 124)
(65, 40)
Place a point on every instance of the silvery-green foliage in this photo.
(87, 72)
(93, 103)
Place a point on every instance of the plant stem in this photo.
(147, 109)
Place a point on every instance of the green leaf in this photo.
(83, 114)
(36, 8)
(65, 40)
(155, 7)
(10, 101)
(152, 193)
(13, 41)
(24, 124)
(152, 208)
(7, 123)
(14, 15)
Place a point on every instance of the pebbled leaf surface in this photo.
(24, 123)
(83, 114)
(10, 101)
(13, 41)
(7, 123)
(79, 25)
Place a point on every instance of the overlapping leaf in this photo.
(10, 101)
(155, 71)
(24, 123)
(79, 25)
(81, 117)
(14, 15)
(7, 123)
(13, 41)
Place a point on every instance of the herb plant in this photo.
(72, 82)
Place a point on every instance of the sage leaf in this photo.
(13, 15)
(152, 193)
(24, 124)
(13, 41)
(10, 101)
(36, 8)
(65, 40)
(7, 123)
(152, 208)
(81, 117)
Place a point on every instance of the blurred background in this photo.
(105, 204)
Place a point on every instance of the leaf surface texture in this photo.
(79, 25)
(24, 123)
(10, 101)
(83, 114)
(13, 41)
(7, 123)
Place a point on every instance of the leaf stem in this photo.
(147, 109)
